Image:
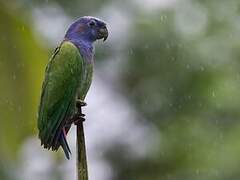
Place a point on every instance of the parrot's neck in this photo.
(85, 48)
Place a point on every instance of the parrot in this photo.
(68, 76)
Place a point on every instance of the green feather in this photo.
(63, 77)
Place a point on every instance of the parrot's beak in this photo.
(103, 33)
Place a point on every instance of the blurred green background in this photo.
(165, 94)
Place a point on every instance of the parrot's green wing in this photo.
(62, 78)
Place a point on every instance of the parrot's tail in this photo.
(64, 144)
(59, 139)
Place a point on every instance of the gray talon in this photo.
(80, 103)
(79, 120)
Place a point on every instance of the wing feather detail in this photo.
(59, 91)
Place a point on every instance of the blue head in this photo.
(87, 29)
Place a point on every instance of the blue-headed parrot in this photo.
(68, 77)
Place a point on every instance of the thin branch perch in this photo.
(82, 171)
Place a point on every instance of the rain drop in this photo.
(146, 46)
(213, 94)
(202, 68)
(170, 89)
(131, 52)
(14, 77)
(19, 108)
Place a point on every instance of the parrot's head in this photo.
(87, 28)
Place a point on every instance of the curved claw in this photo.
(79, 120)
(75, 119)
(80, 103)
(82, 115)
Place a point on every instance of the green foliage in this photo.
(186, 85)
(182, 76)
(74, 8)
(21, 68)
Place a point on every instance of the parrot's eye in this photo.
(92, 23)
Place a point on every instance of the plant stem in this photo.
(82, 171)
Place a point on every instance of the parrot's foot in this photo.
(80, 103)
(79, 117)
(79, 121)
(76, 119)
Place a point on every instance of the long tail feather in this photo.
(65, 145)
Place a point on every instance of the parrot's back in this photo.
(63, 77)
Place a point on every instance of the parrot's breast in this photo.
(86, 80)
